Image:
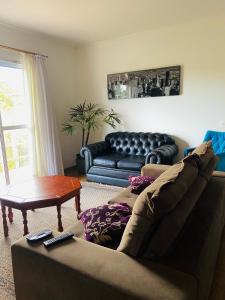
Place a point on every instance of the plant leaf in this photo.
(88, 117)
(68, 128)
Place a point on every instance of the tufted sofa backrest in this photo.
(136, 143)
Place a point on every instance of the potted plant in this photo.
(88, 117)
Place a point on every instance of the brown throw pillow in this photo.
(171, 225)
(155, 201)
(205, 154)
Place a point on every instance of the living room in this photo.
(82, 43)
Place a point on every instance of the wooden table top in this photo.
(42, 189)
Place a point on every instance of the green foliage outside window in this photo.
(16, 151)
(6, 101)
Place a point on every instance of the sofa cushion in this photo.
(105, 222)
(206, 172)
(111, 172)
(136, 143)
(126, 196)
(205, 153)
(197, 249)
(108, 160)
(154, 170)
(133, 162)
(169, 229)
(81, 270)
(156, 201)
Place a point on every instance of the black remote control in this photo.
(35, 237)
(58, 239)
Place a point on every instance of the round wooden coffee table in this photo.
(39, 192)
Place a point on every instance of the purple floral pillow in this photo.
(139, 183)
(105, 222)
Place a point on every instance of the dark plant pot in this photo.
(80, 162)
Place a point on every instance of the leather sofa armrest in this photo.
(80, 270)
(162, 155)
(153, 170)
(91, 151)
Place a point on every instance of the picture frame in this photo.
(158, 82)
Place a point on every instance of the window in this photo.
(16, 159)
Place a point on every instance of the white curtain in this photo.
(47, 153)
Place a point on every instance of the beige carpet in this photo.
(92, 195)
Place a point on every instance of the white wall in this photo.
(61, 67)
(76, 75)
(199, 47)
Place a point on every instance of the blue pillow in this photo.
(221, 163)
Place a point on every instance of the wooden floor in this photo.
(74, 173)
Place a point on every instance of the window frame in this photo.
(16, 65)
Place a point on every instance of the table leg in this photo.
(10, 214)
(60, 227)
(24, 213)
(77, 203)
(5, 226)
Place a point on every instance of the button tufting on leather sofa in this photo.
(124, 153)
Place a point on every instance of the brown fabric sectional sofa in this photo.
(82, 270)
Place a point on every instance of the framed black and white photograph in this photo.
(146, 83)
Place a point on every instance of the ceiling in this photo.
(85, 21)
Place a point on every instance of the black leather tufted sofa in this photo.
(124, 153)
